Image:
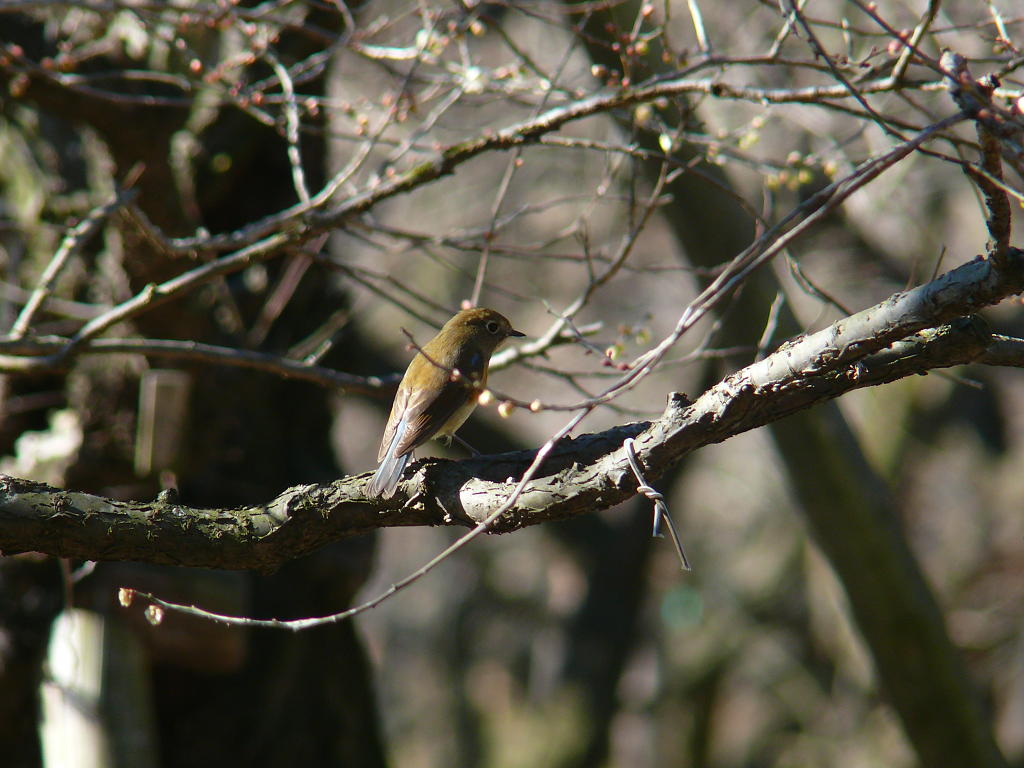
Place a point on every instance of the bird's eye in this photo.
(492, 327)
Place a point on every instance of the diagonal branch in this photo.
(581, 475)
(994, 125)
(73, 241)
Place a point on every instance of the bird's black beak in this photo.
(516, 333)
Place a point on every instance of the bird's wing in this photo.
(426, 412)
(420, 411)
(394, 421)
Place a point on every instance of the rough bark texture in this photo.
(582, 475)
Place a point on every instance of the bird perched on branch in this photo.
(439, 390)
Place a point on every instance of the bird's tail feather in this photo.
(385, 481)
(386, 478)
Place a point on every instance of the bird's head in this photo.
(486, 328)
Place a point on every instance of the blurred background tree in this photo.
(175, 316)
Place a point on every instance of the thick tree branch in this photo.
(886, 342)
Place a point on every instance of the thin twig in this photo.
(154, 293)
(854, 91)
(660, 507)
(915, 39)
(770, 325)
(698, 26)
(28, 350)
(448, 158)
(291, 122)
(974, 97)
(73, 241)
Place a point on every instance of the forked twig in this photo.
(660, 507)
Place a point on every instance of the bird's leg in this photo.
(473, 451)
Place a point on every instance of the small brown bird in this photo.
(439, 390)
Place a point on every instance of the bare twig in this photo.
(13, 354)
(73, 241)
(660, 507)
(291, 121)
(698, 26)
(1004, 350)
(975, 98)
(154, 294)
(918, 34)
